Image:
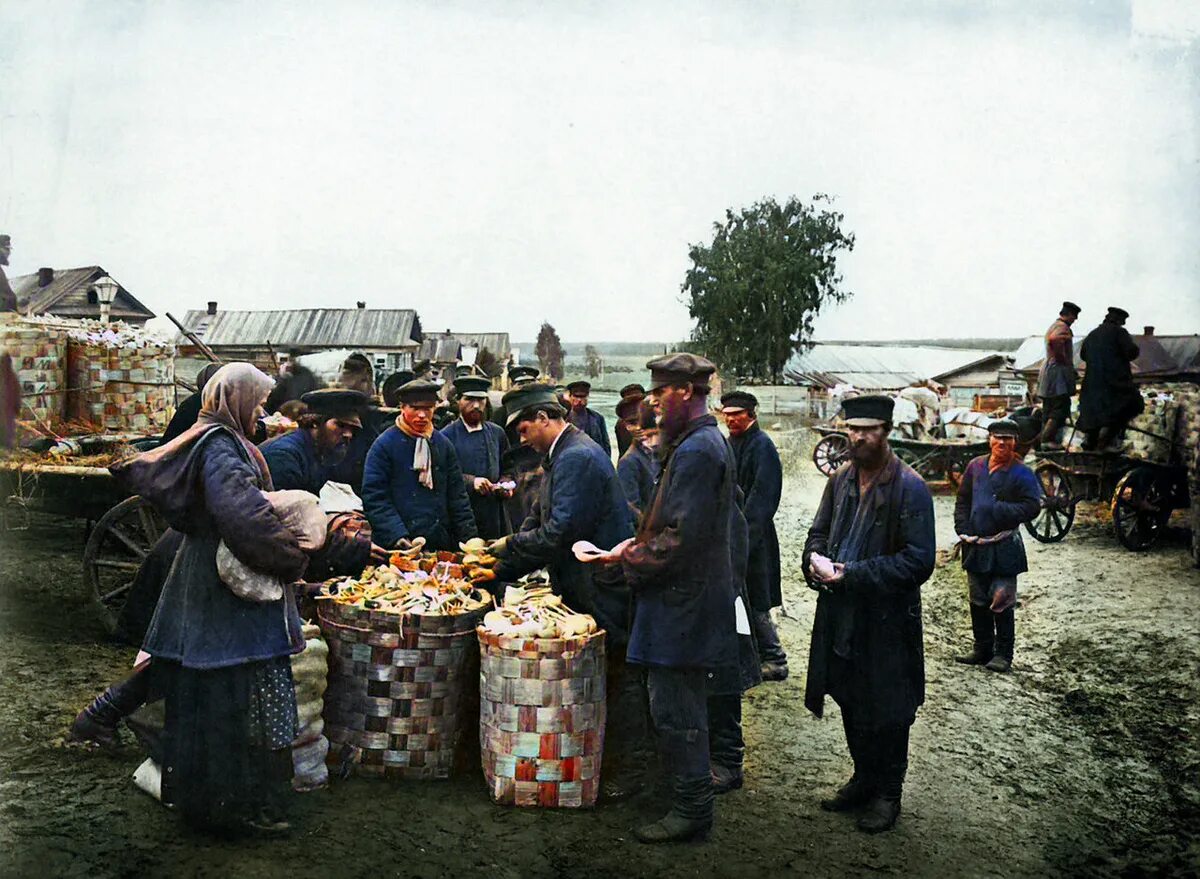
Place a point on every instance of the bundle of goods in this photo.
(1187, 445)
(309, 670)
(541, 710)
(39, 359)
(277, 424)
(402, 664)
(1150, 434)
(120, 378)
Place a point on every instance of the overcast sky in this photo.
(496, 164)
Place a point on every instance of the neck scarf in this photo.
(422, 459)
(1001, 456)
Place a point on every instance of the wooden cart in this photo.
(933, 459)
(121, 529)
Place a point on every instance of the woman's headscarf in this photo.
(233, 397)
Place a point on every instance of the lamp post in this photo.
(106, 292)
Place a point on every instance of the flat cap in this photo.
(1070, 308)
(343, 404)
(738, 400)
(473, 386)
(523, 373)
(871, 410)
(418, 391)
(519, 399)
(1119, 313)
(392, 384)
(681, 367)
(628, 408)
(580, 385)
(1004, 427)
(634, 390)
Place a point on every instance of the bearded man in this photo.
(304, 458)
(869, 549)
(481, 447)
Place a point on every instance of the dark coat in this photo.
(479, 454)
(1108, 397)
(185, 416)
(292, 386)
(989, 503)
(638, 471)
(867, 651)
(579, 499)
(624, 438)
(399, 506)
(682, 567)
(760, 476)
(592, 423)
(294, 462)
(215, 494)
(349, 470)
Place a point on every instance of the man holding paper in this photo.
(869, 549)
(481, 447)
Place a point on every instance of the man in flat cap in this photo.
(522, 463)
(682, 569)
(413, 484)
(639, 467)
(480, 446)
(760, 476)
(588, 420)
(997, 493)
(870, 547)
(635, 393)
(1109, 398)
(579, 499)
(304, 458)
(1056, 381)
(358, 374)
(8, 299)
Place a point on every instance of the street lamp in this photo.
(106, 292)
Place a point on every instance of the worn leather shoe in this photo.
(975, 657)
(725, 779)
(673, 827)
(774, 671)
(998, 663)
(850, 795)
(881, 815)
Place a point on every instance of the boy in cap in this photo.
(413, 484)
(870, 548)
(1109, 397)
(760, 476)
(1056, 381)
(639, 467)
(635, 393)
(997, 493)
(481, 447)
(304, 458)
(588, 420)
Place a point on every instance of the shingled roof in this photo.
(65, 294)
(317, 328)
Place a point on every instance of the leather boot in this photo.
(1006, 625)
(673, 827)
(889, 758)
(881, 815)
(981, 629)
(854, 793)
(770, 649)
(98, 722)
(726, 778)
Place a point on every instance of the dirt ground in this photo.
(1084, 761)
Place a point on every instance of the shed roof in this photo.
(877, 367)
(67, 295)
(497, 343)
(308, 328)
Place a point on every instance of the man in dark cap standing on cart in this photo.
(1109, 397)
(588, 420)
(870, 547)
(1056, 381)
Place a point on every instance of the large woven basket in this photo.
(397, 687)
(541, 718)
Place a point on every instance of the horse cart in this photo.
(120, 529)
(933, 459)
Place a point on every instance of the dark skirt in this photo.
(227, 742)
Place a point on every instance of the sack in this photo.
(244, 582)
(300, 512)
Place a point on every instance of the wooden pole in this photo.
(204, 349)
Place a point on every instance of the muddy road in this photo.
(1084, 761)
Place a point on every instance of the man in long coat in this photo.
(1109, 397)
(870, 548)
(480, 446)
(412, 484)
(588, 420)
(760, 476)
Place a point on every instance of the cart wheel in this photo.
(831, 452)
(114, 552)
(1058, 507)
(1141, 506)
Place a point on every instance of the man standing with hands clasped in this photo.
(481, 447)
(870, 548)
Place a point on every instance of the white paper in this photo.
(337, 497)
(742, 620)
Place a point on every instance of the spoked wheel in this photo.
(831, 452)
(1058, 508)
(1141, 506)
(120, 541)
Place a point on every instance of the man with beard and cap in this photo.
(588, 420)
(189, 410)
(480, 446)
(413, 485)
(639, 467)
(1056, 380)
(869, 549)
(579, 498)
(682, 569)
(8, 299)
(304, 458)
(636, 393)
(997, 493)
(760, 476)
(1109, 398)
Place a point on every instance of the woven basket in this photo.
(541, 718)
(397, 684)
